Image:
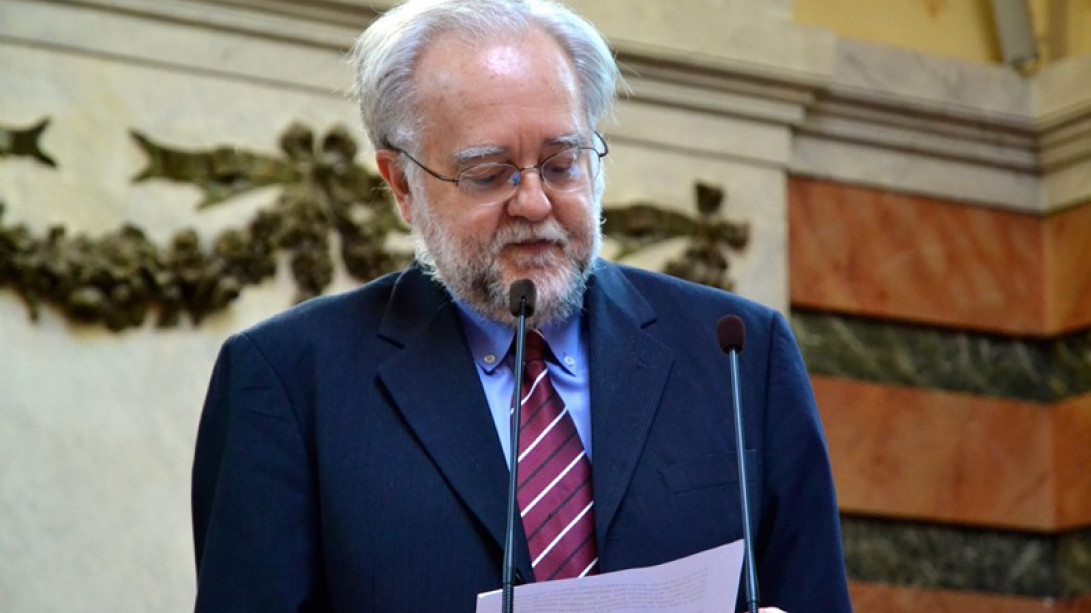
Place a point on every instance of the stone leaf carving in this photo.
(327, 202)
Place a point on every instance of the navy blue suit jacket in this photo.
(346, 459)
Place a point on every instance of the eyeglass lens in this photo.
(568, 170)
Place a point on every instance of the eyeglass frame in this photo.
(518, 171)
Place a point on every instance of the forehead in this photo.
(479, 93)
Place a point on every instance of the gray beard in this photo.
(472, 275)
(486, 293)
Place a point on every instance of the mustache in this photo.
(550, 230)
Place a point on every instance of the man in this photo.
(352, 452)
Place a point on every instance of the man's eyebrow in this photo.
(567, 140)
(472, 155)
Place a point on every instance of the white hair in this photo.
(384, 56)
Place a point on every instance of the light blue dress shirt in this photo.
(494, 354)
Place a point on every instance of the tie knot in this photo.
(536, 347)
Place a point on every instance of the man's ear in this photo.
(390, 168)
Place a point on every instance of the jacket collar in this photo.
(434, 385)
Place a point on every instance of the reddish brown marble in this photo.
(953, 458)
(912, 258)
(1068, 242)
(874, 598)
(1072, 459)
(1075, 605)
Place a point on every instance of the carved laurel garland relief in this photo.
(327, 202)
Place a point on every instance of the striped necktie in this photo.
(554, 489)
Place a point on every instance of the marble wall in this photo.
(938, 238)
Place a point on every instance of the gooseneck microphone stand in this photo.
(521, 300)
(731, 332)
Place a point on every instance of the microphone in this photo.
(731, 332)
(522, 297)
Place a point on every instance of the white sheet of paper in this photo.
(705, 582)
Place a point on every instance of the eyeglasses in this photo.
(568, 170)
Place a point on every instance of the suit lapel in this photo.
(434, 384)
(629, 370)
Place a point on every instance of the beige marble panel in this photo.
(927, 125)
(93, 102)
(911, 172)
(742, 34)
(1062, 91)
(664, 173)
(209, 39)
(98, 428)
(929, 82)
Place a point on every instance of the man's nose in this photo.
(530, 200)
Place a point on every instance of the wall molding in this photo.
(911, 123)
(855, 112)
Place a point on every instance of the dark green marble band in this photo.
(931, 556)
(943, 359)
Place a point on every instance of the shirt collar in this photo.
(490, 341)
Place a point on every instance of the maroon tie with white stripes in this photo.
(554, 489)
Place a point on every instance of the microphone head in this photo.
(731, 332)
(522, 295)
